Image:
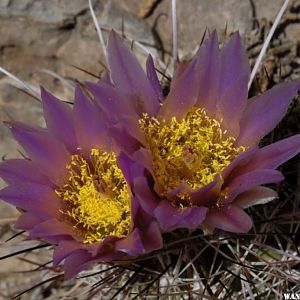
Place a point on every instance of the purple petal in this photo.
(106, 79)
(129, 77)
(204, 195)
(144, 157)
(258, 195)
(249, 180)
(229, 218)
(152, 238)
(64, 249)
(76, 262)
(125, 141)
(172, 194)
(19, 170)
(152, 76)
(183, 92)
(59, 119)
(35, 198)
(147, 200)
(130, 169)
(233, 90)
(117, 108)
(50, 155)
(170, 217)
(243, 159)
(27, 221)
(180, 69)
(132, 244)
(272, 156)
(51, 228)
(208, 69)
(111, 101)
(264, 112)
(91, 131)
(105, 249)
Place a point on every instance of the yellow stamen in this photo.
(96, 196)
(191, 150)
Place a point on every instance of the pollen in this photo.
(191, 150)
(96, 196)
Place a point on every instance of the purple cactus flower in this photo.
(74, 189)
(199, 144)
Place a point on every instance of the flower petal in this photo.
(13, 171)
(117, 108)
(230, 171)
(258, 195)
(91, 131)
(264, 112)
(59, 119)
(64, 249)
(249, 180)
(49, 155)
(152, 238)
(233, 89)
(76, 262)
(203, 196)
(125, 141)
(170, 217)
(273, 155)
(49, 228)
(144, 158)
(182, 96)
(144, 195)
(208, 74)
(32, 197)
(132, 244)
(130, 169)
(152, 76)
(129, 77)
(229, 218)
(111, 101)
(28, 220)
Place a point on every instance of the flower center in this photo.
(191, 150)
(96, 196)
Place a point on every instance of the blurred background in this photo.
(41, 40)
